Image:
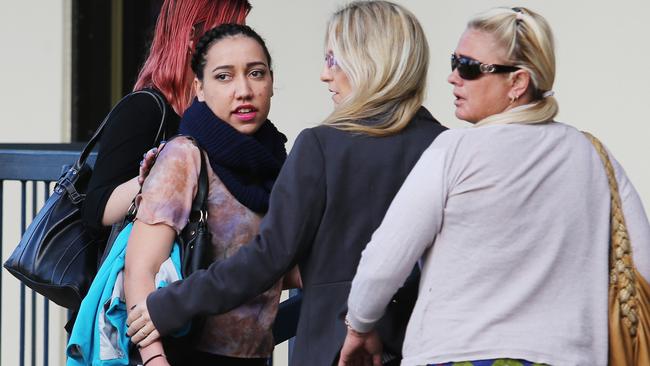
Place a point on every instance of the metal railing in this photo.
(36, 167)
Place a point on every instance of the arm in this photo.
(163, 210)
(122, 196)
(128, 133)
(296, 206)
(409, 227)
(119, 201)
(148, 247)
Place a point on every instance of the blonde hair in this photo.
(528, 41)
(383, 51)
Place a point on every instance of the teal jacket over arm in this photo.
(99, 333)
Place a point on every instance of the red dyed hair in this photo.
(180, 24)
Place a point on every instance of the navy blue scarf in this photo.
(246, 164)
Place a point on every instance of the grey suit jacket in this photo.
(330, 196)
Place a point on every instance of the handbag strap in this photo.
(93, 140)
(199, 210)
(622, 273)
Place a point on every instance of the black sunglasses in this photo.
(470, 69)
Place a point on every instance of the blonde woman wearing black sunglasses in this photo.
(511, 221)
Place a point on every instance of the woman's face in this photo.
(337, 81)
(237, 83)
(488, 94)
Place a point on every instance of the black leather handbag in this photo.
(195, 239)
(57, 257)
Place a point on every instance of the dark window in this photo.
(110, 40)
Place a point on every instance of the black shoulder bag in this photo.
(57, 257)
(195, 239)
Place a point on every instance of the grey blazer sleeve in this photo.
(296, 206)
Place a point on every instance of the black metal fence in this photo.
(35, 167)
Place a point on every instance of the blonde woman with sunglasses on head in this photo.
(511, 221)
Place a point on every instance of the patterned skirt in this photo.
(492, 362)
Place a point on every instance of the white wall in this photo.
(34, 89)
(601, 83)
(33, 69)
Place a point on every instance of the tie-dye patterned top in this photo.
(166, 197)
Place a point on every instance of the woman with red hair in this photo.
(133, 126)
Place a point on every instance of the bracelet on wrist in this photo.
(347, 324)
(152, 358)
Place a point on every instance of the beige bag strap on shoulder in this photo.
(629, 292)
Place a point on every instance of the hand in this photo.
(292, 279)
(141, 328)
(361, 349)
(147, 162)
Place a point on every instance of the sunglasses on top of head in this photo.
(470, 69)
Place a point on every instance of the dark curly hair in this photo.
(218, 33)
